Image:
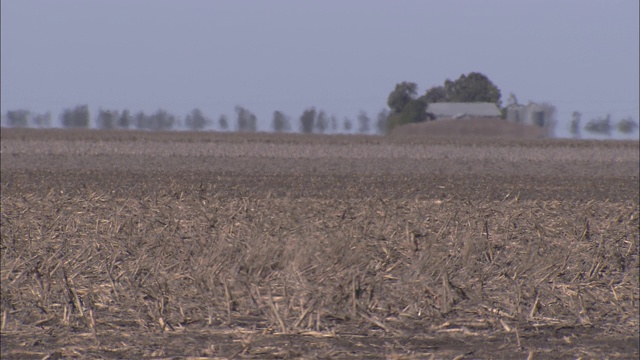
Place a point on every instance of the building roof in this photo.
(456, 110)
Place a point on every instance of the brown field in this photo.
(474, 127)
(182, 245)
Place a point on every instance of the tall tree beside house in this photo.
(405, 106)
(415, 111)
(435, 94)
(474, 87)
(401, 96)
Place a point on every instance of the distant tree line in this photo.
(404, 103)
(601, 125)
(25, 118)
(405, 106)
(311, 121)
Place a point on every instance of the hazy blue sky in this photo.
(340, 56)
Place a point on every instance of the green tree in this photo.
(401, 96)
(434, 95)
(247, 121)
(140, 120)
(18, 118)
(363, 122)
(281, 122)
(42, 120)
(161, 120)
(627, 125)
(347, 124)
(322, 122)
(474, 87)
(512, 100)
(125, 119)
(334, 123)
(381, 121)
(107, 119)
(415, 111)
(307, 120)
(574, 128)
(223, 122)
(405, 107)
(76, 118)
(601, 125)
(196, 120)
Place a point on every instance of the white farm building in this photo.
(462, 110)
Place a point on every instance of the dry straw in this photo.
(172, 262)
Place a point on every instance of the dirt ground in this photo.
(261, 246)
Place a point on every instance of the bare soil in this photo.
(204, 245)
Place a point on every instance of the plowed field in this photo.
(259, 246)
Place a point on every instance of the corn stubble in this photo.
(93, 272)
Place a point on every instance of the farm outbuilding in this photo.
(540, 115)
(461, 110)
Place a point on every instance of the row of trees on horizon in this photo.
(404, 106)
(310, 121)
(602, 125)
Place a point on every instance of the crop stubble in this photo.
(126, 244)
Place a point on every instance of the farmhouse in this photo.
(462, 110)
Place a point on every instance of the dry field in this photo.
(182, 245)
(486, 127)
